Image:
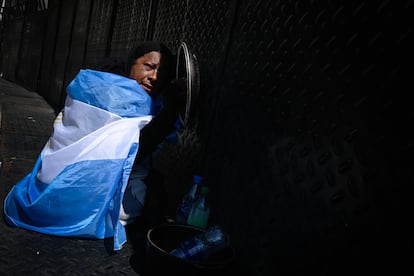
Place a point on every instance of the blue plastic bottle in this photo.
(184, 208)
(201, 246)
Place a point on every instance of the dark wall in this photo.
(130, 26)
(304, 141)
(77, 46)
(10, 47)
(302, 129)
(31, 50)
(99, 31)
(63, 38)
(47, 65)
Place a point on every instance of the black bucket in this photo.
(164, 238)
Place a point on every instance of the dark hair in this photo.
(123, 67)
(111, 65)
(146, 47)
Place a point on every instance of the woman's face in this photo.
(145, 70)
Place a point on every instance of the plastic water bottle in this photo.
(184, 209)
(201, 246)
(201, 210)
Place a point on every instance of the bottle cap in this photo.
(197, 179)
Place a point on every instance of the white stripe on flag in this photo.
(112, 141)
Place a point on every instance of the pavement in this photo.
(26, 122)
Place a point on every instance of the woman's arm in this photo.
(174, 99)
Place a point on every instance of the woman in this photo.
(88, 179)
(150, 64)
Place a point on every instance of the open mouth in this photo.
(146, 87)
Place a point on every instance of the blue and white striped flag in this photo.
(77, 184)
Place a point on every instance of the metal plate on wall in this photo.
(187, 68)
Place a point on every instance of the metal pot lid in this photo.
(187, 67)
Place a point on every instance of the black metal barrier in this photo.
(303, 125)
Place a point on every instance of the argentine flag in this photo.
(78, 181)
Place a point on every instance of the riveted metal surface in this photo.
(47, 66)
(77, 44)
(10, 48)
(99, 31)
(29, 123)
(130, 27)
(304, 118)
(173, 15)
(205, 27)
(304, 122)
(60, 54)
(30, 52)
(37, 254)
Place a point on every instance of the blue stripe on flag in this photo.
(111, 92)
(83, 200)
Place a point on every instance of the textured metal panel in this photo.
(209, 30)
(24, 121)
(56, 87)
(205, 27)
(99, 31)
(176, 161)
(10, 47)
(306, 117)
(305, 131)
(37, 254)
(46, 68)
(130, 27)
(170, 22)
(31, 46)
(77, 43)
